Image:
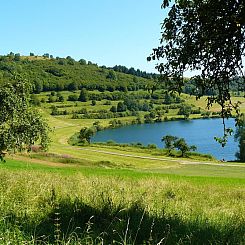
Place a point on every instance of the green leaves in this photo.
(208, 38)
(172, 142)
(20, 125)
(86, 134)
(224, 139)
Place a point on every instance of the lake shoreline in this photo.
(180, 120)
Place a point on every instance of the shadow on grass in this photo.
(133, 225)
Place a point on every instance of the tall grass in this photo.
(49, 208)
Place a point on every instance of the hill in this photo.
(58, 74)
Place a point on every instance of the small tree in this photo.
(113, 109)
(169, 142)
(82, 62)
(60, 98)
(112, 75)
(86, 134)
(121, 107)
(83, 95)
(54, 111)
(185, 110)
(72, 86)
(46, 55)
(17, 57)
(38, 86)
(181, 145)
(34, 100)
(72, 97)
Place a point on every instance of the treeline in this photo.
(132, 71)
(131, 99)
(190, 87)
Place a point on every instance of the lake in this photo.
(199, 132)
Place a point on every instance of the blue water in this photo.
(198, 132)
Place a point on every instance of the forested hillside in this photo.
(58, 74)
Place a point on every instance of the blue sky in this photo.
(107, 32)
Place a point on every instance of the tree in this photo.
(72, 97)
(82, 62)
(46, 55)
(181, 145)
(60, 97)
(206, 37)
(121, 107)
(240, 137)
(51, 98)
(38, 86)
(83, 95)
(17, 57)
(112, 75)
(86, 134)
(34, 100)
(159, 115)
(72, 86)
(168, 99)
(169, 141)
(70, 60)
(113, 109)
(54, 110)
(20, 124)
(185, 110)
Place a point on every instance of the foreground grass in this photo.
(78, 196)
(70, 205)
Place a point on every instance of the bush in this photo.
(151, 146)
(72, 97)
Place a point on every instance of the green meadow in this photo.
(87, 195)
(97, 202)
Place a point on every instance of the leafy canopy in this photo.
(20, 124)
(181, 145)
(169, 141)
(172, 142)
(206, 37)
(86, 134)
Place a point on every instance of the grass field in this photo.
(87, 203)
(97, 195)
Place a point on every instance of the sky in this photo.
(106, 32)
